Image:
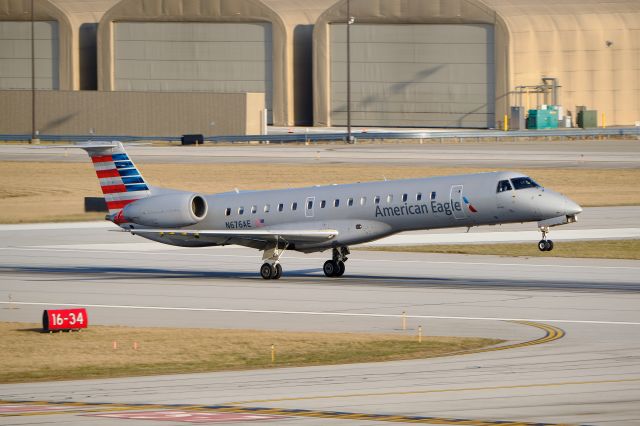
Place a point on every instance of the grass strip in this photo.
(31, 191)
(600, 249)
(27, 354)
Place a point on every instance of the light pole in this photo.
(350, 21)
(34, 140)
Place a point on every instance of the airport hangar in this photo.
(168, 67)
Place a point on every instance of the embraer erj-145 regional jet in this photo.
(319, 218)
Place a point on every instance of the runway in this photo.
(578, 154)
(590, 375)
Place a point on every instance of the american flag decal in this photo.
(259, 223)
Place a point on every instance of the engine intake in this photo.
(167, 211)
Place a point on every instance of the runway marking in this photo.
(186, 416)
(180, 252)
(311, 313)
(268, 411)
(485, 388)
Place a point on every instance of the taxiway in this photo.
(590, 375)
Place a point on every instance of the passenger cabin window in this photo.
(350, 202)
(227, 211)
(240, 210)
(389, 198)
(419, 196)
(524, 182)
(503, 186)
(433, 195)
(294, 206)
(363, 201)
(254, 209)
(336, 203)
(377, 199)
(405, 197)
(323, 204)
(280, 207)
(267, 207)
(309, 204)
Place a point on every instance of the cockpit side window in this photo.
(524, 182)
(503, 186)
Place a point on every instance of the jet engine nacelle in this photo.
(167, 211)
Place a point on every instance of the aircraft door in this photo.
(456, 199)
(308, 206)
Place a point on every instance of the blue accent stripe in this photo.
(124, 165)
(130, 180)
(128, 172)
(120, 157)
(131, 188)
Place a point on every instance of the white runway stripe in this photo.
(337, 314)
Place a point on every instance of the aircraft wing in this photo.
(256, 238)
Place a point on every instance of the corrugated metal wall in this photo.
(15, 55)
(184, 57)
(432, 75)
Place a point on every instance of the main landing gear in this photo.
(335, 267)
(271, 268)
(544, 244)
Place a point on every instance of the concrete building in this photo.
(457, 63)
(213, 45)
(65, 43)
(425, 63)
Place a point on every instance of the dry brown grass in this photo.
(36, 192)
(611, 249)
(27, 354)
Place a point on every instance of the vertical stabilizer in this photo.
(120, 180)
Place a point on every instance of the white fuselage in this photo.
(362, 212)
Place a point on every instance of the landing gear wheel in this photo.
(341, 268)
(545, 245)
(277, 272)
(266, 271)
(330, 268)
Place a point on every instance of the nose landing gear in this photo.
(335, 267)
(544, 244)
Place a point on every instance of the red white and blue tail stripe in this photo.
(120, 180)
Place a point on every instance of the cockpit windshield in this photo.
(503, 186)
(524, 182)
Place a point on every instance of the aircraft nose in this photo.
(572, 208)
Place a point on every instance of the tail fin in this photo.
(121, 181)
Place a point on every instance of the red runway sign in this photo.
(64, 319)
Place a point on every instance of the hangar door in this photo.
(425, 75)
(194, 56)
(15, 55)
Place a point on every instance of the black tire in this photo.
(266, 271)
(542, 245)
(549, 245)
(277, 272)
(341, 269)
(329, 268)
